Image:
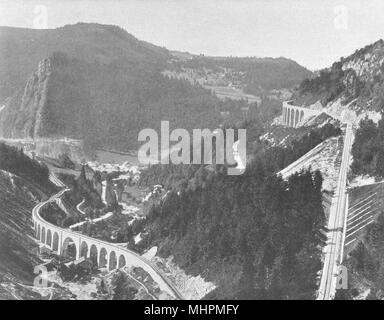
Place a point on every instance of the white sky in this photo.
(315, 33)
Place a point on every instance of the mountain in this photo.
(256, 75)
(241, 233)
(355, 82)
(100, 84)
(92, 82)
(22, 50)
(353, 87)
(18, 250)
(23, 183)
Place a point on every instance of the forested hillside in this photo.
(243, 228)
(257, 75)
(100, 84)
(279, 157)
(366, 265)
(368, 149)
(104, 101)
(22, 49)
(107, 110)
(23, 182)
(18, 250)
(356, 81)
(15, 161)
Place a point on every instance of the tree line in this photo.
(14, 160)
(368, 149)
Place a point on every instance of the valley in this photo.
(77, 204)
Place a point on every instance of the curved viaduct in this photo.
(76, 245)
(294, 115)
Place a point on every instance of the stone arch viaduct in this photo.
(76, 245)
(294, 115)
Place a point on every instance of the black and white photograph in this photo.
(209, 151)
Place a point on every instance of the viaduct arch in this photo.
(105, 254)
(292, 115)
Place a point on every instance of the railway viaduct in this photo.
(294, 115)
(75, 245)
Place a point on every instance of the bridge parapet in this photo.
(293, 115)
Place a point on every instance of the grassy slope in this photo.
(18, 254)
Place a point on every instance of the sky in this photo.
(315, 33)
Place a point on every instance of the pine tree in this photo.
(379, 170)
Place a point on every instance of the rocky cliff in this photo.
(99, 84)
(22, 114)
(354, 83)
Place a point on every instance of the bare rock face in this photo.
(99, 84)
(18, 251)
(22, 114)
(40, 93)
(355, 82)
(97, 184)
(110, 196)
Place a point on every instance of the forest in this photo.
(109, 111)
(279, 157)
(244, 229)
(14, 160)
(258, 75)
(344, 81)
(257, 230)
(329, 82)
(104, 86)
(365, 264)
(368, 149)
